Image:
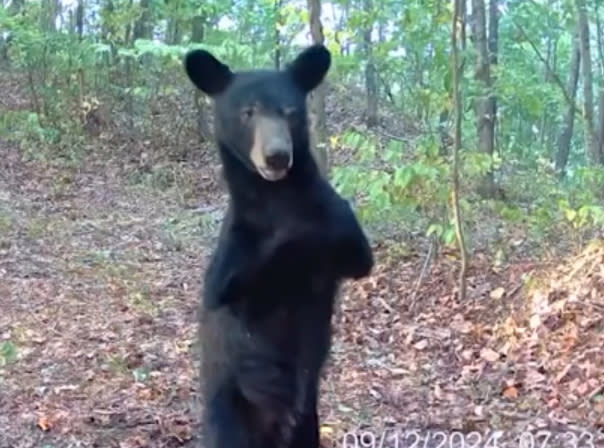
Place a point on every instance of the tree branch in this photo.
(571, 102)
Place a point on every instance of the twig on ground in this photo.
(515, 290)
(205, 209)
(420, 279)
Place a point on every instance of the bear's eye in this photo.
(289, 112)
(247, 113)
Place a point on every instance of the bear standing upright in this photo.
(285, 244)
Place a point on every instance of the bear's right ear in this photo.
(207, 73)
(310, 67)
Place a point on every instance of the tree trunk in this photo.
(173, 30)
(591, 143)
(277, 51)
(197, 28)
(174, 26)
(50, 12)
(14, 8)
(484, 105)
(493, 47)
(371, 84)
(443, 119)
(143, 28)
(458, 110)
(107, 10)
(174, 36)
(79, 19)
(546, 79)
(203, 128)
(445, 113)
(569, 117)
(600, 127)
(317, 98)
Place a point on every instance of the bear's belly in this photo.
(295, 321)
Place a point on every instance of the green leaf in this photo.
(8, 353)
(435, 229)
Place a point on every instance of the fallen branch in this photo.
(422, 274)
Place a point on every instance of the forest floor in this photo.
(99, 283)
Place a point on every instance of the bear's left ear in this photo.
(207, 73)
(310, 67)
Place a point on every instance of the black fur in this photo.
(284, 247)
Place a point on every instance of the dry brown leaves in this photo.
(484, 365)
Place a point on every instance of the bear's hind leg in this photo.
(225, 423)
(306, 434)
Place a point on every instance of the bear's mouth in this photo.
(272, 175)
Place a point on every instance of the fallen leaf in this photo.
(563, 373)
(44, 424)
(489, 355)
(533, 377)
(421, 344)
(438, 392)
(479, 411)
(467, 354)
(582, 388)
(510, 326)
(535, 321)
(510, 392)
(497, 293)
(326, 430)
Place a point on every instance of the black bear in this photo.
(285, 244)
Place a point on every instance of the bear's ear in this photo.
(207, 73)
(310, 67)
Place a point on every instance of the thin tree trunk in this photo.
(445, 113)
(143, 28)
(277, 51)
(203, 128)
(569, 117)
(173, 31)
(483, 105)
(493, 46)
(79, 19)
(371, 84)
(457, 105)
(600, 127)
(591, 143)
(79, 25)
(50, 12)
(174, 27)
(317, 98)
(197, 28)
(546, 79)
(107, 10)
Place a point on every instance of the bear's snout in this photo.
(272, 149)
(278, 159)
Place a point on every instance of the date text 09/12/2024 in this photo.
(455, 439)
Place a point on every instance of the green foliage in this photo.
(140, 374)
(128, 60)
(413, 190)
(393, 188)
(8, 353)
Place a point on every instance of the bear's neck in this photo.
(247, 188)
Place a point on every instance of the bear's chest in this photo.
(294, 321)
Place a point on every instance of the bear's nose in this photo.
(278, 161)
